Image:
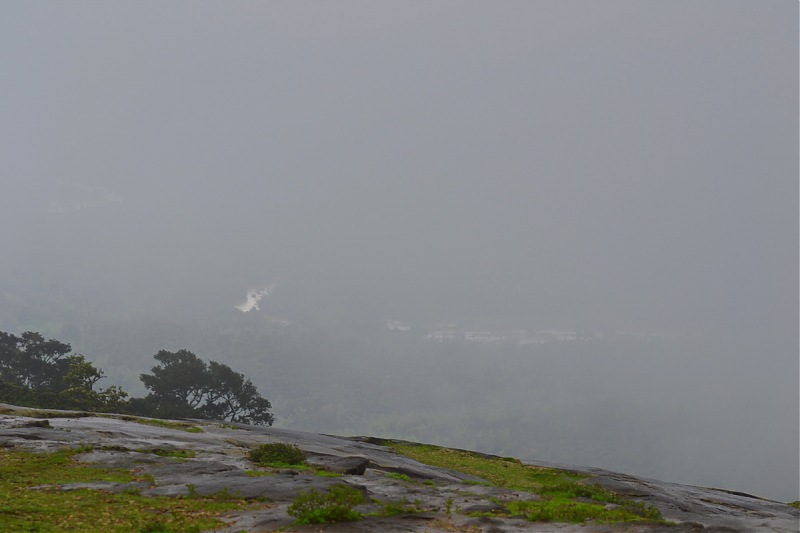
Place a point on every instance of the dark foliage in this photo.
(277, 452)
(31, 362)
(43, 373)
(183, 385)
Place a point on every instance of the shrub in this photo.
(277, 453)
(335, 505)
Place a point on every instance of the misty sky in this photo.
(632, 163)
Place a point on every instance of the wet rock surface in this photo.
(213, 460)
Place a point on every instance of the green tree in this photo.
(183, 385)
(31, 362)
(81, 373)
(232, 397)
(43, 373)
(79, 390)
(178, 385)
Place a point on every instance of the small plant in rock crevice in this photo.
(326, 473)
(191, 491)
(401, 477)
(400, 507)
(165, 452)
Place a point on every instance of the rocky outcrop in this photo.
(219, 464)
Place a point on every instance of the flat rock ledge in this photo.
(220, 464)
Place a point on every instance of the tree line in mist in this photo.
(43, 373)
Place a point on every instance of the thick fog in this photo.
(547, 196)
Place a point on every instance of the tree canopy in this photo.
(178, 385)
(185, 385)
(43, 373)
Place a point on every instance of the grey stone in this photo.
(353, 465)
(485, 507)
(220, 467)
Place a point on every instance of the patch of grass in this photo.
(156, 526)
(92, 511)
(477, 483)
(313, 469)
(226, 495)
(165, 452)
(191, 491)
(335, 505)
(400, 507)
(796, 504)
(506, 473)
(564, 497)
(258, 473)
(169, 424)
(278, 455)
(401, 477)
(563, 509)
(302, 467)
(326, 473)
(29, 469)
(280, 465)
